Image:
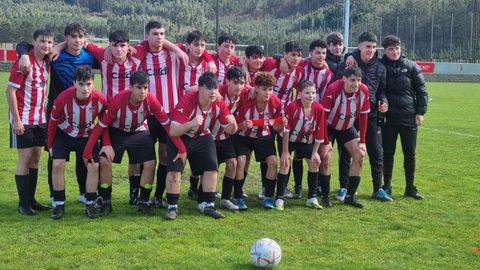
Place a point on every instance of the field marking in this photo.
(452, 132)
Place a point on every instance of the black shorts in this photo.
(302, 150)
(263, 147)
(342, 137)
(157, 131)
(225, 150)
(139, 145)
(200, 152)
(34, 135)
(63, 144)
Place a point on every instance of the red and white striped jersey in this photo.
(189, 107)
(341, 108)
(285, 84)
(320, 77)
(188, 75)
(116, 76)
(306, 129)
(31, 90)
(162, 69)
(131, 118)
(247, 110)
(223, 68)
(218, 132)
(77, 117)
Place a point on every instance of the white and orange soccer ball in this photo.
(265, 253)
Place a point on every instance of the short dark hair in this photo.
(42, 32)
(265, 79)
(208, 80)
(195, 36)
(334, 38)
(254, 50)
(367, 36)
(153, 24)
(226, 38)
(317, 43)
(305, 84)
(118, 36)
(293, 46)
(235, 73)
(139, 77)
(352, 70)
(83, 73)
(74, 28)
(391, 40)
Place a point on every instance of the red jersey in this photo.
(305, 129)
(116, 76)
(223, 68)
(75, 117)
(247, 110)
(189, 107)
(188, 75)
(216, 128)
(320, 77)
(162, 69)
(342, 109)
(131, 118)
(31, 90)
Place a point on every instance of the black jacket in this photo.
(406, 91)
(333, 62)
(374, 76)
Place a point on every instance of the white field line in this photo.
(452, 132)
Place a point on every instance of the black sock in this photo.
(263, 170)
(227, 186)
(269, 187)
(145, 193)
(281, 180)
(32, 183)
(201, 196)
(312, 179)
(49, 176)
(353, 182)
(238, 189)
(81, 173)
(105, 192)
(91, 196)
(297, 167)
(59, 195)
(134, 184)
(172, 199)
(161, 176)
(209, 197)
(324, 181)
(22, 188)
(194, 180)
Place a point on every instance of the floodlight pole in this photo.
(346, 20)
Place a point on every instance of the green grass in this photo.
(441, 232)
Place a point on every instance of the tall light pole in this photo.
(217, 25)
(346, 20)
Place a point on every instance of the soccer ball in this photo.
(265, 253)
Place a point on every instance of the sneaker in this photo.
(387, 189)
(171, 213)
(261, 194)
(58, 212)
(298, 192)
(212, 212)
(201, 206)
(268, 203)
(242, 206)
(133, 196)
(381, 195)
(313, 203)
(342, 192)
(353, 202)
(92, 210)
(227, 204)
(413, 192)
(40, 207)
(106, 208)
(287, 194)
(82, 199)
(192, 194)
(144, 208)
(279, 204)
(325, 201)
(159, 203)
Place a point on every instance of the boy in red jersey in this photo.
(191, 119)
(224, 58)
(345, 102)
(306, 134)
(255, 117)
(126, 121)
(26, 99)
(72, 118)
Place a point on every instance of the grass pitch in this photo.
(442, 232)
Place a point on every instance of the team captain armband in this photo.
(267, 122)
